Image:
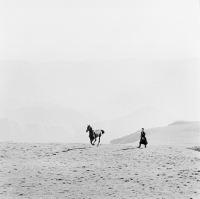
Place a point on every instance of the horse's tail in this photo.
(102, 131)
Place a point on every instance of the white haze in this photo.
(105, 59)
(76, 30)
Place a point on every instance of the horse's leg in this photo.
(91, 141)
(99, 141)
(94, 140)
(146, 142)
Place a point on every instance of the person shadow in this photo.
(129, 148)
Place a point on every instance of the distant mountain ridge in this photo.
(54, 123)
(181, 122)
(41, 124)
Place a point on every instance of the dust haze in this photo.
(67, 64)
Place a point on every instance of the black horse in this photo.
(94, 134)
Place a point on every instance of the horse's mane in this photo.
(90, 129)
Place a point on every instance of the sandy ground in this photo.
(48, 171)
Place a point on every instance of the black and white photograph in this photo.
(99, 99)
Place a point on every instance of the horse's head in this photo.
(88, 128)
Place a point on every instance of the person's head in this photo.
(142, 129)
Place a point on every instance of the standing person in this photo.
(143, 139)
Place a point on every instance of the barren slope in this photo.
(184, 134)
(50, 171)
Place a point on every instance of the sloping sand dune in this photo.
(176, 134)
(48, 171)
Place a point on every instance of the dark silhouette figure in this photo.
(94, 134)
(143, 139)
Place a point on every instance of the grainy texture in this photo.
(48, 171)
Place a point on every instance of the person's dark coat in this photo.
(143, 139)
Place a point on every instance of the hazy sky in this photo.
(52, 30)
(151, 48)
